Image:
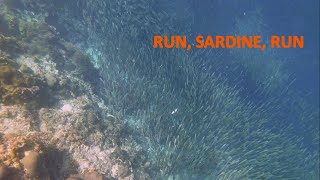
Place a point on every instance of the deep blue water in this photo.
(287, 17)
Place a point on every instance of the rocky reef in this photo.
(53, 125)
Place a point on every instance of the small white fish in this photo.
(174, 111)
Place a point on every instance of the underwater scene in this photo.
(96, 90)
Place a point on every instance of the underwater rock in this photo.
(87, 175)
(7, 24)
(19, 94)
(16, 119)
(13, 148)
(34, 156)
(84, 67)
(51, 79)
(66, 108)
(18, 86)
(123, 171)
(74, 178)
(31, 163)
(7, 74)
(3, 171)
(92, 175)
(53, 122)
(10, 45)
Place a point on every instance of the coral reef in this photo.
(53, 125)
(25, 153)
(17, 85)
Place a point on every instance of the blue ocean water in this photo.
(281, 18)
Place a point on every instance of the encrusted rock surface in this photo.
(52, 123)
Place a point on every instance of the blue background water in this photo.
(287, 17)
